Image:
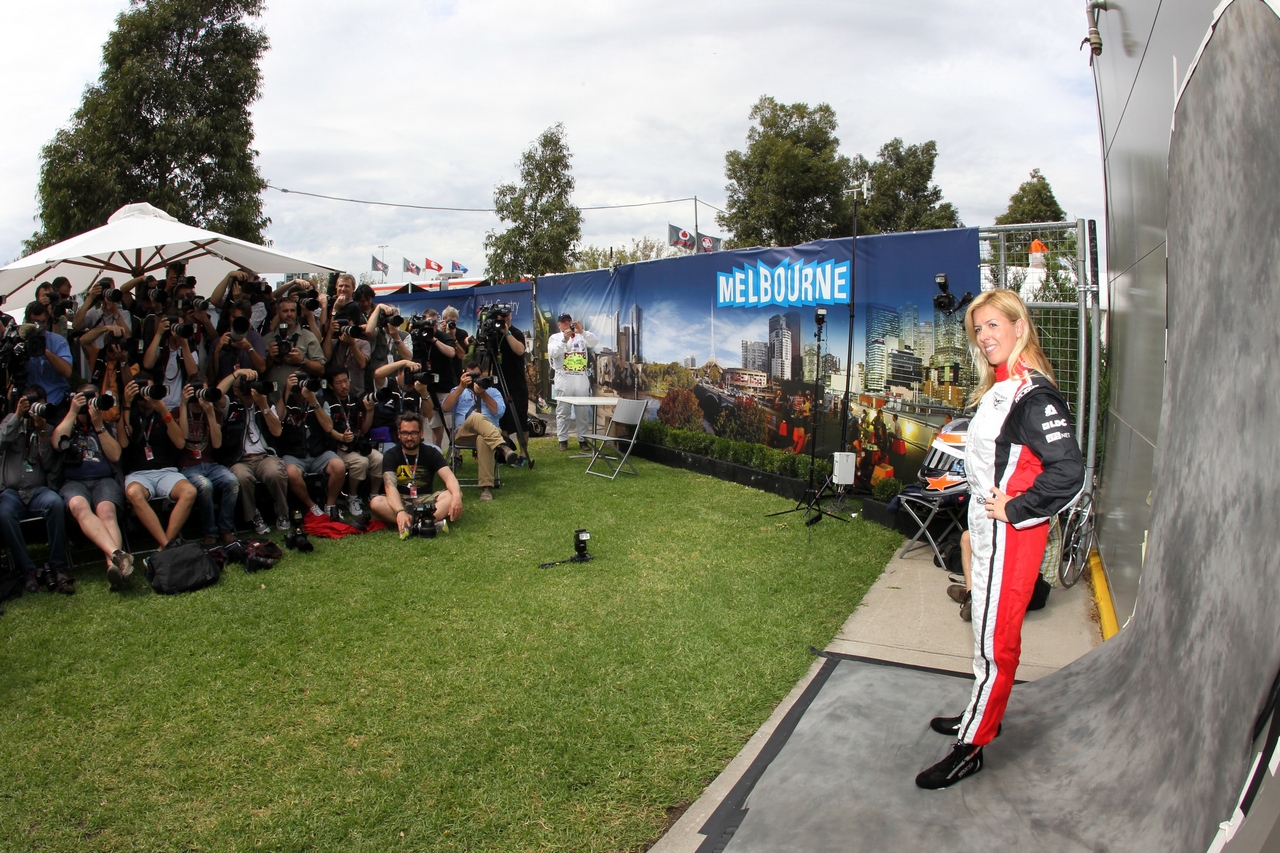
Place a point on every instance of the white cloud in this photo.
(432, 103)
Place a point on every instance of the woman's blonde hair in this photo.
(1026, 353)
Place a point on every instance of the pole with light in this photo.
(862, 188)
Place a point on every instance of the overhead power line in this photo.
(479, 209)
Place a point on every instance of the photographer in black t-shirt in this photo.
(511, 364)
(408, 477)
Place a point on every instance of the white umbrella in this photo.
(140, 239)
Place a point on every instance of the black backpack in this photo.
(182, 568)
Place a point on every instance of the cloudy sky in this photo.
(432, 102)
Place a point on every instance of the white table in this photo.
(595, 403)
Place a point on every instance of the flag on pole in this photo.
(432, 265)
(457, 267)
(708, 243)
(677, 236)
(410, 266)
(379, 266)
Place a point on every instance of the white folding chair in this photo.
(612, 450)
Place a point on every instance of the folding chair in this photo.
(455, 464)
(925, 509)
(943, 492)
(627, 416)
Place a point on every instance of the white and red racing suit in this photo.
(1021, 440)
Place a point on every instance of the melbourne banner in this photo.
(731, 342)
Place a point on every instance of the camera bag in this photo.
(182, 568)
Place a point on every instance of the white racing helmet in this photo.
(942, 471)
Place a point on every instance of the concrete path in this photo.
(906, 617)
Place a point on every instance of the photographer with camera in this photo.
(91, 486)
(476, 407)
(568, 354)
(306, 442)
(507, 344)
(27, 458)
(239, 347)
(102, 307)
(60, 306)
(345, 347)
(435, 348)
(151, 440)
(170, 353)
(249, 424)
(409, 500)
(49, 354)
(291, 348)
(214, 482)
(352, 417)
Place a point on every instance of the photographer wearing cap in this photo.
(352, 417)
(214, 482)
(408, 477)
(306, 441)
(568, 354)
(291, 348)
(476, 407)
(150, 441)
(50, 364)
(26, 459)
(249, 425)
(91, 486)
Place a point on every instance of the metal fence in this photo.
(1053, 266)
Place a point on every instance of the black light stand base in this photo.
(811, 505)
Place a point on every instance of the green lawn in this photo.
(429, 694)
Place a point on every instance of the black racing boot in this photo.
(965, 759)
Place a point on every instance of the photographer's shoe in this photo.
(486, 494)
(564, 445)
(965, 759)
(259, 526)
(354, 507)
(282, 523)
(316, 511)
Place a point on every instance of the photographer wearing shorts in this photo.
(26, 459)
(215, 484)
(150, 441)
(352, 417)
(476, 406)
(306, 443)
(408, 476)
(249, 424)
(91, 487)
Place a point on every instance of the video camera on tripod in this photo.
(492, 323)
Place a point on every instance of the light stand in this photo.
(811, 503)
(853, 311)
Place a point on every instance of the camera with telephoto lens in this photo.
(310, 384)
(101, 402)
(239, 328)
(115, 296)
(309, 299)
(38, 410)
(262, 386)
(187, 331)
(158, 295)
(385, 318)
(424, 520)
(255, 287)
(154, 391)
(59, 308)
(481, 381)
(349, 329)
(426, 377)
(212, 395)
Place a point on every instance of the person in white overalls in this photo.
(568, 354)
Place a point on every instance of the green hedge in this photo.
(747, 453)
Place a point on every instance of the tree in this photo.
(741, 423)
(1033, 201)
(789, 185)
(680, 410)
(603, 257)
(167, 123)
(545, 225)
(902, 196)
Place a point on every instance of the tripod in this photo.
(811, 503)
(486, 357)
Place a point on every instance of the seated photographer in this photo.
(345, 347)
(352, 418)
(291, 348)
(306, 442)
(476, 407)
(150, 440)
(170, 354)
(50, 363)
(91, 487)
(214, 482)
(26, 459)
(408, 478)
(248, 425)
(239, 346)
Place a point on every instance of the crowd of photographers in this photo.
(143, 395)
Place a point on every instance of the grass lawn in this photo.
(431, 694)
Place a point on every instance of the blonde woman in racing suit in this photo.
(1024, 467)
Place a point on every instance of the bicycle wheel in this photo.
(1077, 542)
